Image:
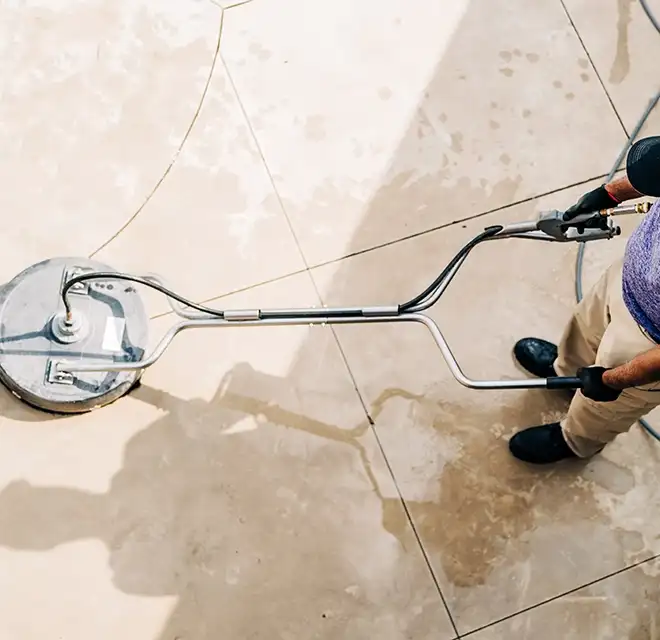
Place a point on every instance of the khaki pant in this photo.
(602, 332)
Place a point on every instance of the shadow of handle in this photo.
(37, 518)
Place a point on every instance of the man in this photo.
(612, 341)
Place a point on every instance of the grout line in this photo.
(374, 431)
(355, 384)
(263, 159)
(402, 500)
(343, 355)
(563, 595)
(446, 225)
(139, 210)
(230, 6)
(593, 65)
(422, 549)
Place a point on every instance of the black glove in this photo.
(591, 202)
(593, 386)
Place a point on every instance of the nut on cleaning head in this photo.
(69, 326)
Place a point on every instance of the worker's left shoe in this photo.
(541, 445)
(536, 356)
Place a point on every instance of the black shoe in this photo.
(536, 356)
(540, 445)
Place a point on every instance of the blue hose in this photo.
(631, 139)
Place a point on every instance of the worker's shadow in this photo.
(210, 497)
(211, 509)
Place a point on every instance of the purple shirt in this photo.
(641, 273)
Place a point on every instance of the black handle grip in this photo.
(564, 383)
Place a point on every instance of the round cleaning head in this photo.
(108, 323)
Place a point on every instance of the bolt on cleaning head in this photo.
(69, 327)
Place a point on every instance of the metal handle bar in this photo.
(454, 367)
(542, 229)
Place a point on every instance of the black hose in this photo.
(113, 275)
(348, 312)
(489, 232)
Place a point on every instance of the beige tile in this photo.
(624, 47)
(501, 536)
(382, 119)
(215, 225)
(96, 99)
(624, 606)
(240, 492)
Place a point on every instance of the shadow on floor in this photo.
(200, 515)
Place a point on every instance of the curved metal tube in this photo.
(454, 367)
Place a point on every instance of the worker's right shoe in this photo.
(544, 444)
(536, 356)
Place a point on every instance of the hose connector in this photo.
(627, 209)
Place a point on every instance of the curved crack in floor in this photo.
(160, 181)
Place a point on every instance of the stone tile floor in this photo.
(309, 482)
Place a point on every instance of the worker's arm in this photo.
(604, 197)
(621, 190)
(641, 370)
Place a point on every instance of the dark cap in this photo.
(643, 166)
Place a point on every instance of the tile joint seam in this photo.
(178, 151)
(593, 66)
(559, 596)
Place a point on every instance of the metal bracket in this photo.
(55, 376)
(80, 288)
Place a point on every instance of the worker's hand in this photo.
(591, 202)
(593, 386)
